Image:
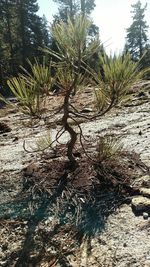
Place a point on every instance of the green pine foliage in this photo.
(137, 37)
(22, 32)
(120, 73)
(71, 8)
(31, 89)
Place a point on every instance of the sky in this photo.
(112, 17)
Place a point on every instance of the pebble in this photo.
(86, 110)
(145, 215)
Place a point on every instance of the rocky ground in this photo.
(125, 238)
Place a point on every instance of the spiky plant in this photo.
(25, 92)
(120, 73)
(41, 74)
(30, 89)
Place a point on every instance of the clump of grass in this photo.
(44, 141)
(108, 147)
(101, 100)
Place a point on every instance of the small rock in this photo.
(15, 139)
(141, 204)
(145, 215)
(141, 94)
(145, 192)
(140, 132)
(86, 110)
(2, 255)
(5, 135)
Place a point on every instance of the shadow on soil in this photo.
(68, 205)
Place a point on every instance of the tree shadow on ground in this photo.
(76, 202)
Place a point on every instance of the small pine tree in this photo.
(74, 50)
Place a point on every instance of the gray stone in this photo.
(145, 215)
(86, 110)
(141, 204)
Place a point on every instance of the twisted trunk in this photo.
(69, 129)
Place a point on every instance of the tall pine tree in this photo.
(72, 7)
(7, 39)
(137, 39)
(22, 32)
(30, 29)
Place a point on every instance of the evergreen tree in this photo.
(7, 39)
(66, 8)
(136, 39)
(22, 32)
(73, 7)
(45, 32)
(7, 31)
(29, 28)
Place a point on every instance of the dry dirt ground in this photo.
(29, 234)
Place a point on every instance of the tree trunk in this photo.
(71, 143)
(140, 43)
(22, 30)
(83, 7)
(9, 30)
(69, 129)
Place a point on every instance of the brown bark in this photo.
(68, 128)
(9, 29)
